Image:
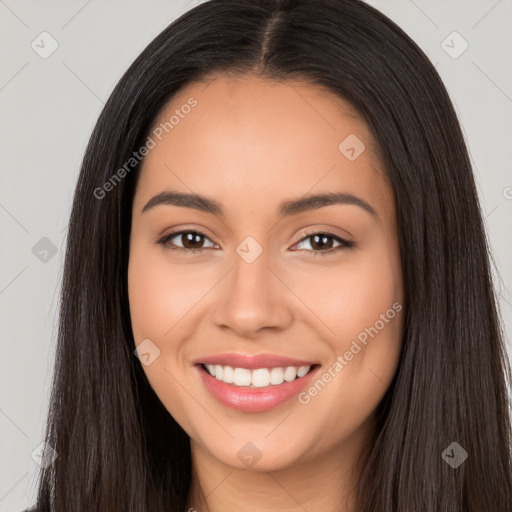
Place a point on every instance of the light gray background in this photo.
(48, 110)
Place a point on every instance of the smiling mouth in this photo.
(257, 378)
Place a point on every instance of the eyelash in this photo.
(345, 244)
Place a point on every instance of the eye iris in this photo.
(192, 238)
(319, 242)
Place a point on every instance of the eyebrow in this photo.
(287, 208)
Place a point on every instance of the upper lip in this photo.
(253, 362)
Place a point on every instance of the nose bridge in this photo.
(253, 297)
(251, 266)
(250, 282)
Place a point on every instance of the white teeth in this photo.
(228, 374)
(242, 377)
(218, 371)
(276, 376)
(302, 371)
(290, 373)
(258, 378)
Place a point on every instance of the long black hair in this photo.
(118, 447)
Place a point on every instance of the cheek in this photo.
(364, 312)
(351, 295)
(158, 301)
(361, 302)
(147, 296)
(160, 293)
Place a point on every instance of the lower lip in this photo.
(248, 399)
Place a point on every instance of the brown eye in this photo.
(190, 241)
(322, 243)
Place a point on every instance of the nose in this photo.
(253, 298)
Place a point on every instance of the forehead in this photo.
(248, 138)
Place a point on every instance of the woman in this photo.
(277, 290)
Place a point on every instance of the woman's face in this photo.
(318, 283)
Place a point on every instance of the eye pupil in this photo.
(192, 238)
(319, 242)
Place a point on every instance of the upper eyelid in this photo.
(306, 233)
(181, 231)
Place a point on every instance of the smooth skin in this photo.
(251, 144)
